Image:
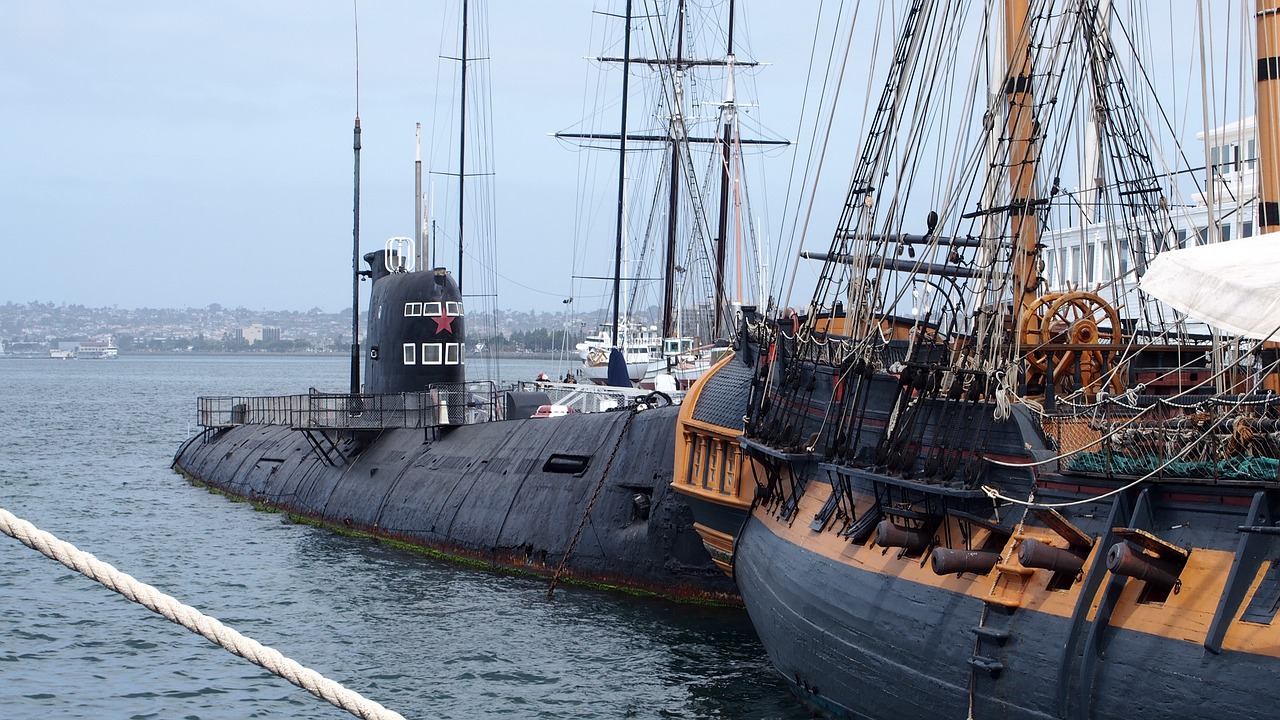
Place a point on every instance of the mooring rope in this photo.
(192, 619)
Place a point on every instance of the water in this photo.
(85, 448)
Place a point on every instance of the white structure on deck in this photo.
(1094, 255)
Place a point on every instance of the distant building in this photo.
(258, 333)
(1100, 255)
(28, 349)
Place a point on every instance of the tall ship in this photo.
(950, 487)
(684, 230)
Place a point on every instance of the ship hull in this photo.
(508, 494)
(856, 642)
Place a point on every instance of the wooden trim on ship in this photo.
(1186, 614)
(709, 467)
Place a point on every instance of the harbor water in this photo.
(85, 447)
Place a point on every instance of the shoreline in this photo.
(250, 353)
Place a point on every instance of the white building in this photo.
(258, 333)
(1104, 258)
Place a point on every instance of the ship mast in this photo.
(355, 272)
(726, 157)
(678, 132)
(722, 228)
(419, 241)
(1268, 107)
(355, 269)
(622, 174)
(355, 231)
(1023, 154)
(676, 136)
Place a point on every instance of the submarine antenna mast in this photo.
(419, 244)
(462, 144)
(355, 232)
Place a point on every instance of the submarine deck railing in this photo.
(440, 405)
(451, 404)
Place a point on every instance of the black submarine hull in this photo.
(514, 494)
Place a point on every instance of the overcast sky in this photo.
(162, 154)
(173, 154)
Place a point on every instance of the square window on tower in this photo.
(430, 353)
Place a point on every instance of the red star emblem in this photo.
(444, 323)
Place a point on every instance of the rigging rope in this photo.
(995, 494)
(210, 628)
(1115, 430)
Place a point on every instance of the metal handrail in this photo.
(440, 405)
(443, 404)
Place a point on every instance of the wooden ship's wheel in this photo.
(1071, 318)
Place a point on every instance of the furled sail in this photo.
(1233, 286)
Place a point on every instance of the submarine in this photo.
(424, 458)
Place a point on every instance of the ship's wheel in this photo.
(1071, 318)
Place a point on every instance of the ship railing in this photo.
(465, 403)
(223, 411)
(581, 397)
(344, 411)
(440, 405)
(1224, 439)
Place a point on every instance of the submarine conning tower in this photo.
(416, 332)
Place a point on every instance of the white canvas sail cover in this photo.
(1233, 286)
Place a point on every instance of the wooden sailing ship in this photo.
(945, 492)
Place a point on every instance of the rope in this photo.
(995, 494)
(190, 618)
(1128, 395)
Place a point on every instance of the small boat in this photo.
(946, 490)
(98, 349)
(640, 347)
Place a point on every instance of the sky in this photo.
(163, 154)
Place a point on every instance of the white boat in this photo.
(641, 346)
(98, 350)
